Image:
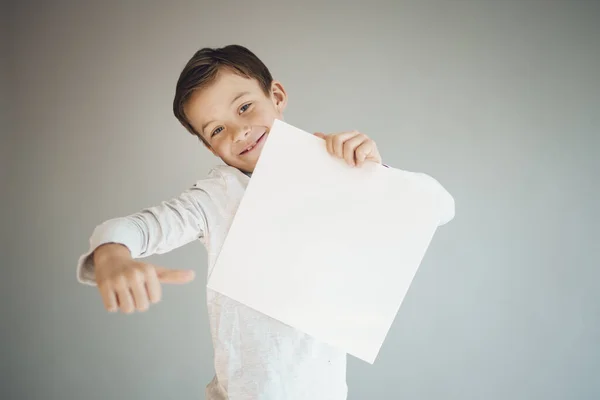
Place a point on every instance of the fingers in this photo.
(353, 147)
(109, 297)
(350, 147)
(338, 141)
(153, 286)
(328, 142)
(139, 294)
(124, 296)
(174, 276)
(364, 151)
(343, 145)
(132, 288)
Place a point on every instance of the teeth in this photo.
(250, 147)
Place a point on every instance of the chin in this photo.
(249, 167)
(246, 167)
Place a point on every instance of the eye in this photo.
(245, 107)
(216, 131)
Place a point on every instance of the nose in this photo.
(241, 132)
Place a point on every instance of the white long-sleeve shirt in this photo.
(256, 357)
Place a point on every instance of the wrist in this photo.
(110, 251)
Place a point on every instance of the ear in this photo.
(279, 96)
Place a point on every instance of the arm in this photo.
(155, 230)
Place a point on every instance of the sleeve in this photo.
(155, 230)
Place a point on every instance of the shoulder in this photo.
(223, 182)
(220, 192)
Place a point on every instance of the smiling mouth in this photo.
(253, 145)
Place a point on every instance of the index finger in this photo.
(174, 276)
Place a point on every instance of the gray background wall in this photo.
(9, 314)
(498, 100)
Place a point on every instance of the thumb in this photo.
(320, 134)
(174, 275)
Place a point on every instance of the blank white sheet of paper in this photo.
(324, 247)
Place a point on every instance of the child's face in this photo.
(234, 116)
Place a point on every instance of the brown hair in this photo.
(202, 69)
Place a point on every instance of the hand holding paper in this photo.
(353, 146)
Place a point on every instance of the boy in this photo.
(228, 99)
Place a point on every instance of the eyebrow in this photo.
(239, 95)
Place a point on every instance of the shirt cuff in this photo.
(119, 231)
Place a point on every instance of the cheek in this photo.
(266, 113)
(219, 148)
(225, 150)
